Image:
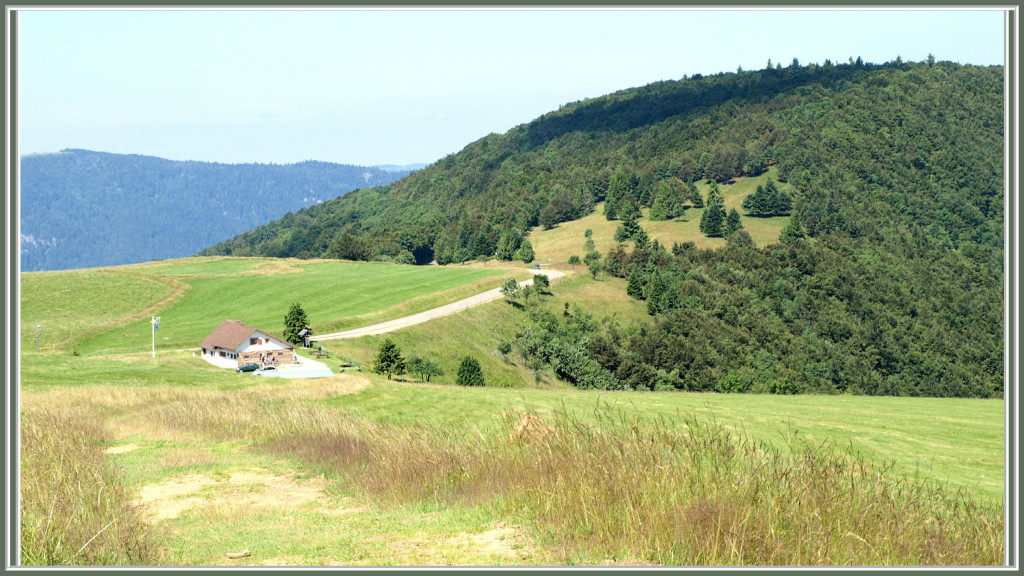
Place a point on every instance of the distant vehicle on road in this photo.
(536, 266)
(250, 367)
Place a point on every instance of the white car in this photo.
(264, 370)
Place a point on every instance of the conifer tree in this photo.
(470, 373)
(695, 198)
(712, 221)
(525, 252)
(294, 322)
(389, 359)
(793, 231)
(508, 244)
(732, 222)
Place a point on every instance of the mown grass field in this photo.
(207, 291)
(355, 470)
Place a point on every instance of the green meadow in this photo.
(256, 291)
(197, 463)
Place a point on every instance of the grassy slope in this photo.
(259, 291)
(75, 302)
(478, 331)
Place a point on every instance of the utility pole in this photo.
(156, 324)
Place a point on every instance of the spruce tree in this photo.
(389, 359)
(793, 231)
(508, 244)
(294, 322)
(695, 198)
(732, 222)
(470, 373)
(713, 220)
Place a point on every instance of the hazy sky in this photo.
(376, 86)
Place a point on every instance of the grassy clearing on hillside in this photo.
(555, 246)
(258, 292)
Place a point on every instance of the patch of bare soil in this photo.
(502, 540)
(247, 488)
(501, 545)
(627, 562)
(122, 449)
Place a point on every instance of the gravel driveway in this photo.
(399, 323)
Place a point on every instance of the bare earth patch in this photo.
(122, 449)
(501, 545)
(249, 488)
(502, 540)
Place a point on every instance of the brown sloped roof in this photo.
(229, 335)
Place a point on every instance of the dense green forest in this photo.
(82, 209)
(887, 280)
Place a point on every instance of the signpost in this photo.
(156, 324)
(38, 328)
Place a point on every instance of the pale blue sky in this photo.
(404, 86)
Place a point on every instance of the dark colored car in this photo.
(250, 367)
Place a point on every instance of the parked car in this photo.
(250, 367)
(264, 370)
(536, 266)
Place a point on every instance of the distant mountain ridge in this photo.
(84, 209)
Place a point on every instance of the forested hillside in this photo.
(82, 209)
(887, 280)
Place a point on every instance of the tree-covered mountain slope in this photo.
(82, 209)
(832, 130)
(887, 280)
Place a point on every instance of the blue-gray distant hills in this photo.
(84, 209)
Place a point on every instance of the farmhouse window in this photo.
(253, 340)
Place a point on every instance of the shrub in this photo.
(470, 373)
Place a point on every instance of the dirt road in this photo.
(399, 323)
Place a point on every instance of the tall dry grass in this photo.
(687, 493)
(75, 508)
(673, 492)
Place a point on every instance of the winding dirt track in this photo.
(399, 323)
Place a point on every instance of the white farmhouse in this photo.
(233, 343)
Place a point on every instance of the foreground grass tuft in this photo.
(75, 510)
